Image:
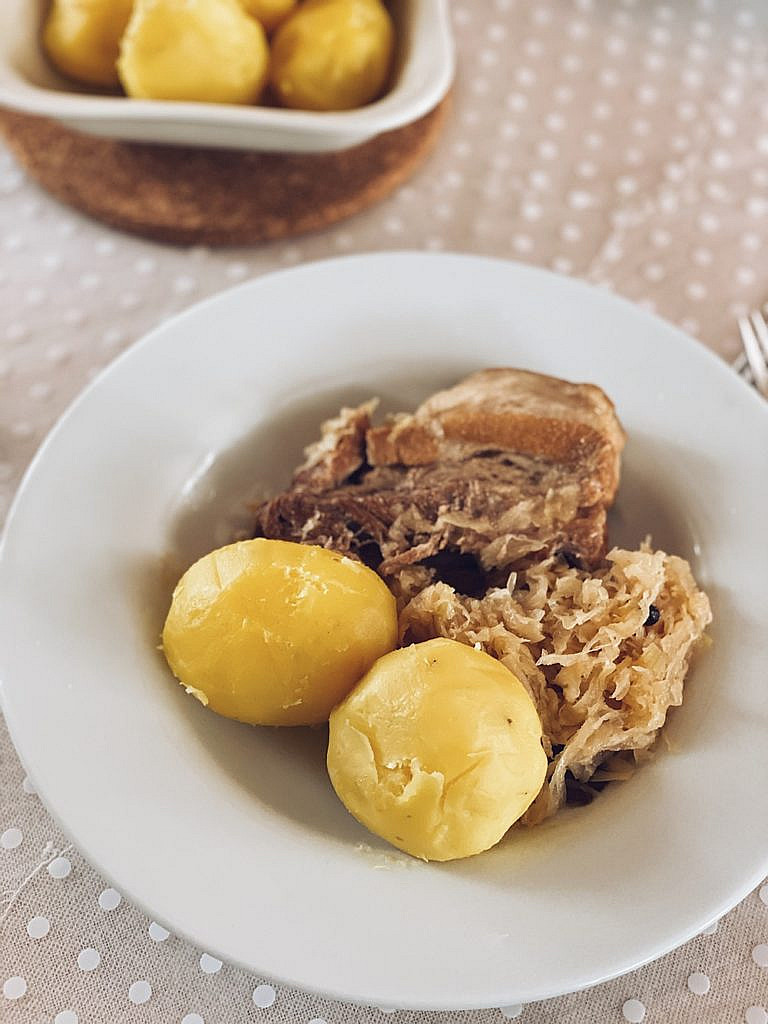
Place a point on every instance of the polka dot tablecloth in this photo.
(622, 141)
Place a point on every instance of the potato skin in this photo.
(82, 38)
(275, 633)
(437, 750)
(207, 51)
(332, 55)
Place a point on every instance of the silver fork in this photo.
(754, 338)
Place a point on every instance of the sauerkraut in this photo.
(603, 654)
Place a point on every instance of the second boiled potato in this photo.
(437, 749)
(82, 38)
(332, 54)
(205, 50)
(275, 633)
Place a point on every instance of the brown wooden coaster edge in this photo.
(215, 197)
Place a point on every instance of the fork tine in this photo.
(753, 350)
(758, 322)
(740, 363)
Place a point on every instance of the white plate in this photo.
(232, 836)
(423, 72)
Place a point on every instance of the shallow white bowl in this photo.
(423, 72)
(232, 836)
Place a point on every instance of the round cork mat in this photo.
(212, 196)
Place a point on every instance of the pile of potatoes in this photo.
(436, 747)
(309, 55)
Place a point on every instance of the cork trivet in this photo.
(215, 197)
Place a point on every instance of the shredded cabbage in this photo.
(600, 671)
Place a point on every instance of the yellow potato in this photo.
(82, 38)
(437, 750)
(275, 633)
(332, 54)
(269, 12)
(205, 50)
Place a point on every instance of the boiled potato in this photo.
(332, 54)
(437, 750)
(82, 38)
(205, 50)
(269, 12)
(275, 633)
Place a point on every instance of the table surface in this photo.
(621, 141)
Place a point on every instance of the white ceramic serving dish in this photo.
(423, 73)
(233, 836)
